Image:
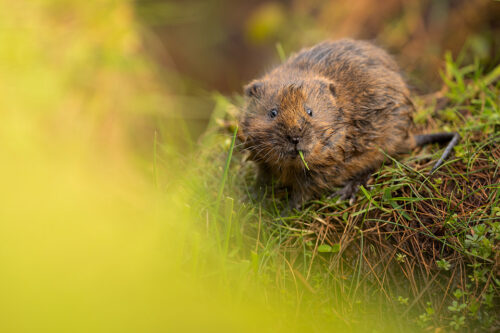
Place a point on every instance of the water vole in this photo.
(339, 104)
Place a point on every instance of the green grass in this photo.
(419, 248)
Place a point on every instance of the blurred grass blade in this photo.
(226, 171)
(281, 51)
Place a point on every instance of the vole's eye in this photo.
(273, 113)
(309, 112)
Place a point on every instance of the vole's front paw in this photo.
(290, 208)
(349, 191)
(256, 193)
(351, 188)
(294, 203)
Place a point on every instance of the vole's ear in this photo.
(254, 89)
(331, 87)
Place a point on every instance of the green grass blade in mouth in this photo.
(303, 160)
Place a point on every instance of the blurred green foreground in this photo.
(86, 244)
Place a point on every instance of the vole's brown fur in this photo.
(340, 103)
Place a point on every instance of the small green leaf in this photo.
(458, 293)
(325, 248)
(403, 300)
(443, 264)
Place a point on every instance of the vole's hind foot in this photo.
(351, 187)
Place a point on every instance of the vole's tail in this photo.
(450, 137)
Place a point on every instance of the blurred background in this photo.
(219, 45)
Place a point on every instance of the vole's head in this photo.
(284, 117)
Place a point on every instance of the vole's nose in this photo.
(294, 139)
